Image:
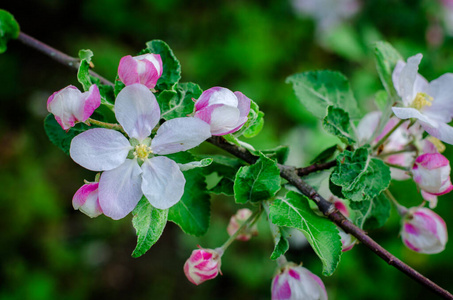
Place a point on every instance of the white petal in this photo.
(367, 125)
(224, 119)
(409, 112)
(180, 134)
(136, 109)
(163, 182)
(120, 189)
(404, 77)
(441, 89)
(99, 149)
(223, 96)
(442, 131)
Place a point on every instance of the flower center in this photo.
(142, 151)
(421, 100)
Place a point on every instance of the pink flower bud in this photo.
(432, 199)
(432, 173)
(296, 282)
(86, 199)
(236, 222)
(70, 106)
(202, 265)
(424, 231)
(340, 206)
(347, 240)
(145, 69)
(222, 109)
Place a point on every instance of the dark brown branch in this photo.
(289, 173)
(59, 56)
(316, 168)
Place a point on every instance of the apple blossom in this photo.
(130, 167)
(86, 199)
(203, 264)
(236, 222)
(145, 69)
(69, 105)
(429, 103)
(424, 231)
(431, 172)
(294, 282)
(222, 109)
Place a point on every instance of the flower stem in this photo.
(397, 167)
(385, 137)
(411, 148)
(106, 125)
(401, 209)
(248, 223)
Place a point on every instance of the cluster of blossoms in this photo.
(134, 164)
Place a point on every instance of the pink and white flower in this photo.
(202, 265)
(222, 109)
(430, 103)
(347, 240)
(145, 69)
(431, 171)
(86, 199)
(424, 231)
(130, 167)
(237, 221)
(69, 105)
(294, 282)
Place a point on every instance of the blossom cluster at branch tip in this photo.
(223, 110)
(131, 167)
(424, 231)
(69, 105)
(237, 221)
(203, 264)
(86, 199)
(430, 103)
(145, 69)
(293, 282)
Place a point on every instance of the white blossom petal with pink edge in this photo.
(120, 189)
(136, 109)
(442, 131)
(180, 134)
(224, 119)
(441, 89)
(163, 182)
(406, 79)
(86, 199)
(99, 149)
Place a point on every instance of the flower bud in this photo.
(424, 231)
(236, 222)
(432, 199)
(202, 265)
(222, 109)
(432, 173)
(347, 240)
(70, 106)
(145, 69)
(296, 282)
(86, 199)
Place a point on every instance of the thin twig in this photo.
(316, 168)
(287, 172)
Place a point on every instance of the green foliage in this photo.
(337, 123)
(83, 75)
(280, 153)
(386, 58)
(178, 102)
(381, 100)
(360, 176)
(317, 90)
(9, 29)
(226, 168)
(257, 182)
(149, 223)
(294, 211)
(196, 164)
(325, 155)
(59, 137)
(371, 214)
(193, 212)
(171, 66)
(119, 85)
(254, 123)
(280, 241)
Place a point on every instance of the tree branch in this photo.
(289, 173)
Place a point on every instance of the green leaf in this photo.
(325, 155)
(193, 212)
(337, 123)
(360, 176)
(280, 153)
(371, 214)
(257, 182)
(9, 29)
(149, 223)
(171, 66)
(318, 90)
(119, 85)
(294, 211)
(226, 168)
(195, 164)
(83, 75)
(60, 137)
(280, 241)
(178, 103)
(386, 58)
(381, 100)
(254, 124)
(106, 91)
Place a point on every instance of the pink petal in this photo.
(127, 70)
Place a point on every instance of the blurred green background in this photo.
(50, 251)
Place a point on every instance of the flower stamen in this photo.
(142, 151)
(421, 100)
